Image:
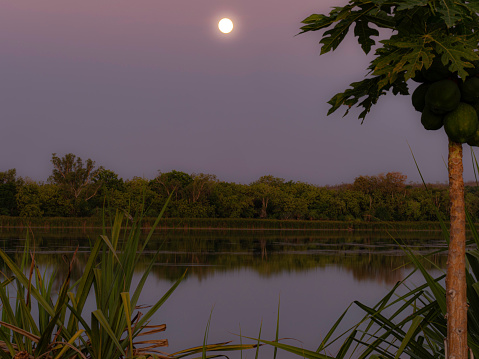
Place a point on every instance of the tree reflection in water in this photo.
(367, 255)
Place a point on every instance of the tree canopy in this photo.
(421, 31)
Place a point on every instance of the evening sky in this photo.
(147, 85)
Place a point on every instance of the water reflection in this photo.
(366, 255)
(242, 273)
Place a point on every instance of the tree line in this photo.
(78, 188)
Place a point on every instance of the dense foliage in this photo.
(411, 33)
(382, 197)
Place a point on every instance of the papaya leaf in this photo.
(472, 6)
(364, 33)
(343, 17)
(406, 5)
(316, 22)
(351, 96)
(332, 38)
(380, 18)
(450, 12)
(408, 56)
(457, 52)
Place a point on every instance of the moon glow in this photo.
(225, 25)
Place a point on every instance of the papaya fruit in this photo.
(419, 97)
(474, 139)
(419, 77)
(470, 90)
(443, 96)
(462, 123)
(430, 120)
(476, 107)
(437, 71)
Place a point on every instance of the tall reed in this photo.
(115, 327)
(59, 328)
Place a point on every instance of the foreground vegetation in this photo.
(79, 189)
(60, 327)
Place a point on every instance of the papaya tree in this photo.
(434, 42)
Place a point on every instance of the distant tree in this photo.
(139, 197)
(53, 203)
(356, 203)
(390, 184)
(201, 186)
(110, 189)
(8, 176)
(321, 206)
(294, 200)
(174, 181)
(8, 191)
(231, 200)
(75, 176)
(384, 192)
(266, 190)
(29, 200)
(108, 180)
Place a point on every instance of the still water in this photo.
(241, 276)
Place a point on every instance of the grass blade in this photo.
(205, 339)
(106, 326)
(158, 304)
(125, 296)
(259, 338)
(277, 329)
(295, 350)
(409, 335)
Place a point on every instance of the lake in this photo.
(240, 276)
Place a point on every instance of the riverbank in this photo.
(62, 223)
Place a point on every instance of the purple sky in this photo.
(147, 85)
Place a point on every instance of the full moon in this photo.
(225, 25)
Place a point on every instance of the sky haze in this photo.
(153, 85)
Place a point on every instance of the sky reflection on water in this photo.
(311, 301)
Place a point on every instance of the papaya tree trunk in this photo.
(456, 298)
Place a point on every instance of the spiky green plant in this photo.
(60, 328)
(20, 330)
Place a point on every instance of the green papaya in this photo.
(443, 96)
(470, 90)
(430, 120)
(462, 123)
(437, 71)
(419, 97)
(474, 140)
(419, 77)
(476, 107)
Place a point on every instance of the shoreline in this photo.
(216, 224)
